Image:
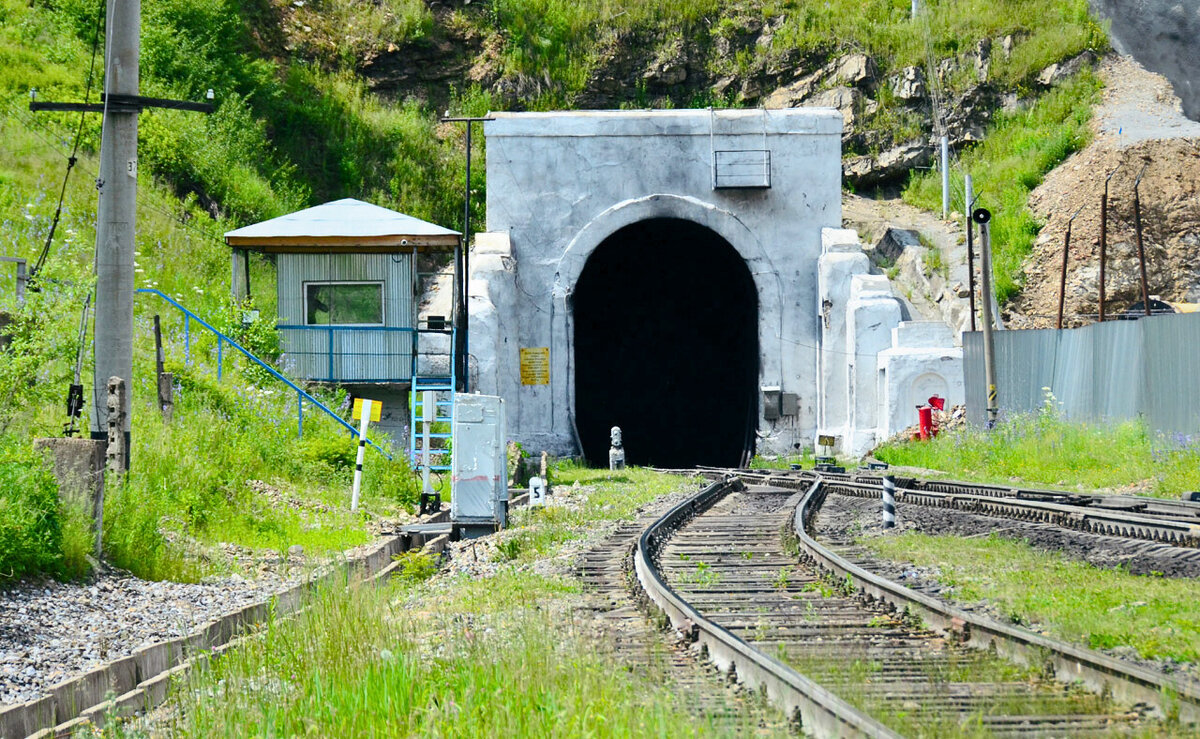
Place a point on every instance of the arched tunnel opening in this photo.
(666, 347)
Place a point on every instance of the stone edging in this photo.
(140, 680)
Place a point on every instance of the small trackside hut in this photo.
(347, 288)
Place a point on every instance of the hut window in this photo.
(352, 303)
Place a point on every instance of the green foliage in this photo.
(483, 658)
(416, 566)
(1100, 608)
(1044, 448)
(1019, 150)
(230, 468)
(30, 517)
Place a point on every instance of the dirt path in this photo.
(929, 294)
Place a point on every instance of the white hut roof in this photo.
(346, 225)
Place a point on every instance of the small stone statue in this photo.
(616, 452)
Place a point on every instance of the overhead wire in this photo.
(33, 125)
(74, 156)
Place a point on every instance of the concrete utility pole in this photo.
(115, 218)
(117, 211)
(982, 216)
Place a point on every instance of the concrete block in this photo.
(153, 659)
(80, 693)
(78, 464)
(155, 689)
(15, 720)
(122, 674)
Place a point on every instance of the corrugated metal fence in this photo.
(1106, 371)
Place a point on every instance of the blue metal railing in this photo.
(380, 353)
(301, 394)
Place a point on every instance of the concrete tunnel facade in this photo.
(715, 198)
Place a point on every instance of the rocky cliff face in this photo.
(1140, 130)
(889, 112)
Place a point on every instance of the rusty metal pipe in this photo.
(1062, 280)
(1137, 224)
(1104, 237)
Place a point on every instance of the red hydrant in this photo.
(928, 429)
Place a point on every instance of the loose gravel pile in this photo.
(51, 631)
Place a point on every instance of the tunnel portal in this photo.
(666, 347)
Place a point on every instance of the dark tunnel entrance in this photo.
(666, 347)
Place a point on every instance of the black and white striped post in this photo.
(889, 502)
(362, 448)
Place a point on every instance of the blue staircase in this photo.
(442, 388)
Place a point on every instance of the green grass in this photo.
(1020, 149)
(191, 482)
(449, 656)
(488, 660)
(536, 532)
(1099, 608)
(1045, 449)
(38, 534)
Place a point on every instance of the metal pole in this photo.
(463, 265)
(945, 178)
(466, 267)
(970, 245)
(1137, 224)
(1104, 238)
(22, 279)
(889, 502)
(1062, 280)
(117, 185)
(915, 8)
(982, 216)
(362, 448)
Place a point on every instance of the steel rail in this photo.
(1126, 524)
(1126, 682)
(820, 711)
(1176, 523)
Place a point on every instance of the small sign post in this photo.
(367, 410)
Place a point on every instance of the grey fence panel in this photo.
(1172, 357)
(1071, 383)
(1118, 370)
(974, 379)
(1104, 372)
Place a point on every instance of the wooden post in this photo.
(165, 380)
(1062, 280)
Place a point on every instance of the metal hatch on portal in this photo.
(479, 479)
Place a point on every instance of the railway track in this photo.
(1174, 523)
(821, 635)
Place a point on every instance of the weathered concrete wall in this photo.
(559, 184)
(842, 260)
(872, 313)
(922, 362)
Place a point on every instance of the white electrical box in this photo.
(479, 478)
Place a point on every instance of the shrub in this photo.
(30, 520)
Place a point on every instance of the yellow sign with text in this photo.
(535, 365)
(376, 409)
